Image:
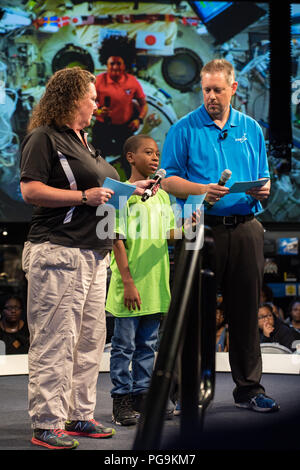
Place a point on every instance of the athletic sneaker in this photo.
(89, 428)
(53, 439)
(260, 403)
(177, 410)
(123, 414)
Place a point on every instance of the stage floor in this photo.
(225, 426)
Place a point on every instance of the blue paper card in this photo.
(243, 186)
(122, 191)
(193, 202)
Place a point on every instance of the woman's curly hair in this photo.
(118, 46)
(59, 102)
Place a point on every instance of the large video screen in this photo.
(172, 42)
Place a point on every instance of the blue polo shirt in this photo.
(195, 150)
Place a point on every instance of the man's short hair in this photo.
(219, 65)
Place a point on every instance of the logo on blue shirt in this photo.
(242, 139)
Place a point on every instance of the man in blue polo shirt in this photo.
(197, 149)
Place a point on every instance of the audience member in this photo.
(267, 296)
(293, 318)
(13, 329)
(121, 100)
(274, 330)
(222, 336)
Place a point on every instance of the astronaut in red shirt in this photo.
(122, 104)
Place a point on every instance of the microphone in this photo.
(226, 174)
(223, 135)
(159, 175)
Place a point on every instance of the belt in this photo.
(227, 220)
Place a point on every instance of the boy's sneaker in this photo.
(260, 403)
(123, 414)
(138, 403)
(89, 428)
(53, 439)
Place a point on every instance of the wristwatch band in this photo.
(83, 197)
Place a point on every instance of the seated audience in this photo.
(266, 296)
(293, 318)
(222, 337)
(13, 329)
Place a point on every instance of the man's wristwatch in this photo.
(83, 197)
(141, 120)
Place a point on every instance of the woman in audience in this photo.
(293, 319)
(13, 329)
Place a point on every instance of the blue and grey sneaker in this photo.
(53, 439)
(177, 410)
(260, 403)
(89, 428)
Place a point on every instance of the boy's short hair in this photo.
(133, 143)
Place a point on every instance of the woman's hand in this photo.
(144, 184)
(40, 194)
(134, 125)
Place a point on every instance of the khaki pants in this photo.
(66, 319)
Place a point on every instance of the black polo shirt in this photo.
(57, 157)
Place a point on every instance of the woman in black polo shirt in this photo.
(65, 261)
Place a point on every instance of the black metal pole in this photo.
(208, 325)
(191, 365)
(198, 355)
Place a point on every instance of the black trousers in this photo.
(239, 269)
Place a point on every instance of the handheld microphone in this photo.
(159, 175)
(226, 174)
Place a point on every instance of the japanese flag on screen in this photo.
(150, 40)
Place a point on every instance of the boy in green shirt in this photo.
(139, 289)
